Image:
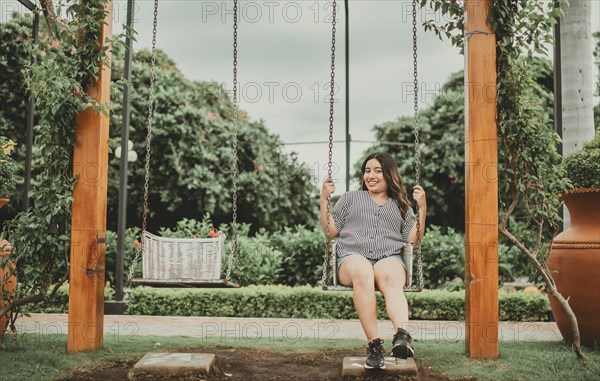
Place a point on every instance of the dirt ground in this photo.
(253, 364)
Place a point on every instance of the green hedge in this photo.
(313, 303)
(301, 302)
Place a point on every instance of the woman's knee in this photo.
(357, 271)
(389, 281)
(363, 278)
(390, 276)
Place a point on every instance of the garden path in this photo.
(251, 329)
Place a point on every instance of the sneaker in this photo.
(402, 346)
(375, 358)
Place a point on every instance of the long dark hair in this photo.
(395, 185)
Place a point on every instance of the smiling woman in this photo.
(374, 225)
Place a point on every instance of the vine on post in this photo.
(69, 59)
(530, 177)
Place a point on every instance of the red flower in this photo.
(76, 91)
(213, 233)
(136, 243)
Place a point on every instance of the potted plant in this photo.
(575, 256)
(8, 172)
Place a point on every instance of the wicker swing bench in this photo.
(182, 262)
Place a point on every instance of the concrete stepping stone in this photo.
(355, 367)
(158, 365)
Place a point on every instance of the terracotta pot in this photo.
(12, 282)
(9, 286)
(575, 265)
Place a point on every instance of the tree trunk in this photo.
(577, 80)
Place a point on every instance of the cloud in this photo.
(284, 62)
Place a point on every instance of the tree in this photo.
(442, 153)
(13, 91)
(190, 171)
(442, 139)
(190, 168)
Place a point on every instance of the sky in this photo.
(284, 57)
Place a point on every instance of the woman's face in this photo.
(373, 177)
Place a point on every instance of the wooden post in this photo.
(481, 184)
(88, 231)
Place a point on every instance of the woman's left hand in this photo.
(419, 196)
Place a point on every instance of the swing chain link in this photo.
(234, 257)
(148, 140)
(416, 95)
(417, 150)
(326, 261)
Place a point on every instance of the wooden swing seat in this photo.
(407, 255)
(217, 283)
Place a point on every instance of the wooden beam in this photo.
(88, 231)
(481, 185)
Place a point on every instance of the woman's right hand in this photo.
(328, 189)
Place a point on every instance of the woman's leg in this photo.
(390, 278)
(356, 271)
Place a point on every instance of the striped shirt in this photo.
(371, 230)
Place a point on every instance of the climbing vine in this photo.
(528, 167)
(70, 56)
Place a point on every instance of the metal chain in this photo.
(326, 264)
(234, 257)
(417, 150)
(148, 138)
(416, 95)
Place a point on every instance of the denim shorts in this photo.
(340, 260)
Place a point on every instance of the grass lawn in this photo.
(43, 357)
(518, 360)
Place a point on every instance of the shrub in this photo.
(583, 166)
(303, 251)
(259, 263)
(444, 259)
(443, 256)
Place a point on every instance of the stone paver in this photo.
(354, 367)
(157, 365)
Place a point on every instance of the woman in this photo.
(373, 225)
